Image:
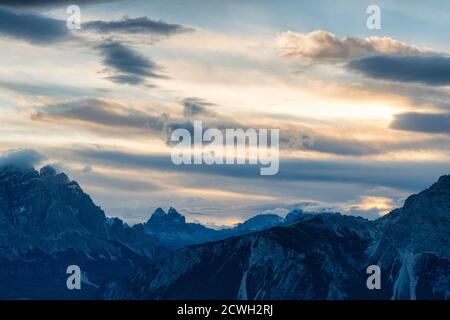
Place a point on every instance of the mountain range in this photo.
(320, 256)
(47, 223)
(172, 230)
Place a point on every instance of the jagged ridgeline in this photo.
(47, 223)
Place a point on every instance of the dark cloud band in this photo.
(384, 173)
(33, 28)
(127, 65)
(136, 25)
(431, 70)
(101, 113)
(422, 122)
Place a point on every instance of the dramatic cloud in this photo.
(101, 113)
(371, 173)
(422, 122)
(104, 116)
(127, 65)
(33, 28)
(21, 158)
(322, 46)
(107, 117)
(137, 25)
(431, 70)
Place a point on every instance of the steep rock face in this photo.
(321, 256)
(47, 223)
(47, 203)
(415, 245)
(136, 238)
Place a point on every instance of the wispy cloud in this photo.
(323, 46)
(196, 107)
(126, 64)
(29, 88)
(101, 113)
(142, 25)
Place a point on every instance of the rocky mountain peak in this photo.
(171, 217)
(430, 205)
(49, 174)
(444, 180)
(8, 171)
(159, 212)
(47, 171)
(174, 216)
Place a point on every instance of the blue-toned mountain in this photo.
(172, 230)
(318, 256)
(47, 223)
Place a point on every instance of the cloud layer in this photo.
(372, 173)
(323, 46)
(101, 113)
(136, 25)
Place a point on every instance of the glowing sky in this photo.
(363, 114)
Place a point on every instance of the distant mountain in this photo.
(172, 230)
(258, 223)
(295, 215)
(314, 258)
(47, 223)
(320, 256)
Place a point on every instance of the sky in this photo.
(363, 114)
